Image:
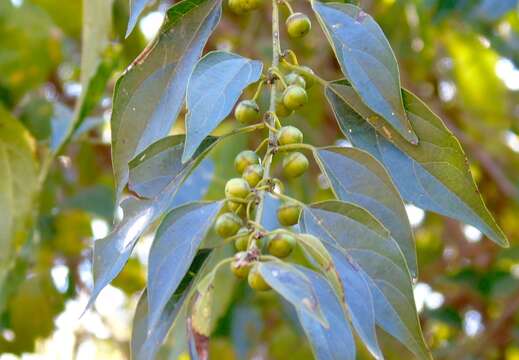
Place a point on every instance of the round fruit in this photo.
(244, 159)
(295, 79)
(237, 188)
(281, 109)
(247, 111)
(242, 6)
(242, 242)
(227, 224)
(239, 268)
(281, 245)
(256, 281)
(253, 174)
(309, 81)
(294, 164)
(288, 135)
(288, 214)
(294, 97)
(298, 25)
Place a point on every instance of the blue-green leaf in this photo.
(367, 245)
(294, 287)
(136, 9)
(214, 87)
(149, 95)
(174, 247)
(357, 177)
(434, 175)
(367, 61)
(335, 342)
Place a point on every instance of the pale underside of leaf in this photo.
(434, 175)
(136, 9)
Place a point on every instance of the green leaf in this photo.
(149, 95)
(335, 342)
(434, 175)
(136, 9)
(146, 340)
(112, 252)
(367, 61)
(294, 287)
(368, 246)
(358, 178)
(174, 247)
(18, 187)
(214, 87)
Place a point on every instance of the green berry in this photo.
(282, 110)
(295, 164)
(294, 97)
(288, 214)
(309, 81)
(298, 25)
(247, 111)
(237, 188)
(242, 242)
(227, 224)
(253, 174)
(241, 6)
(256, 281)
(288, 135)
(244, 159)
(281, 245)
(240, 268)
(295, 79)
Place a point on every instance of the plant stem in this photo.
(276, 51)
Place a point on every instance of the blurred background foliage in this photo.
(460, 56)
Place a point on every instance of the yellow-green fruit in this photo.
(298, 25)
(294, 97)
(253, 174)
(244, 159)
(256, 281)
(294, 164)
(227, 224)
(309, 80)
(242, 6)
(242, 242)
(281, 245)
(237, 188)
(295, 79)
(288, 135)
(240, 269)
(247, 111)
(281, 109)
(288, 214)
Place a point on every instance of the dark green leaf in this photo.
(367, 61)
(294, 287)
(214, 87)
(335, 342)
(357, 177)
(149, 95)
(433, 175)
(368, 246)
(173, 249)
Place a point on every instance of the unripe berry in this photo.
(240, 268)
(244, 159)
(242, 242)
(288, 214)
(295, 79)
(242, 6)
(247, 111)
(256, 281)
(288, 135)
(281, 245)
(281, 109)
(227, 224)
(253, 174)
(294, 97)
(294, 164)
(298, 25)
(237, 188)
(309, 81)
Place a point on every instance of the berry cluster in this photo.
(243, 194)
